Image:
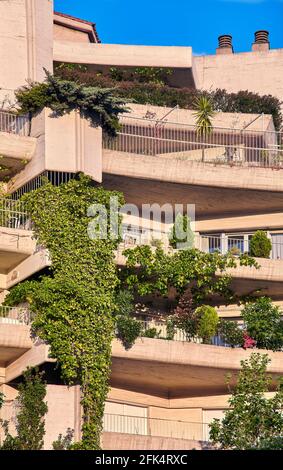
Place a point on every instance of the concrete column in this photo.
(26, 43)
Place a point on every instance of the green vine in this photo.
(73, 307)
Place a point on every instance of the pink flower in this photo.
(249, 343)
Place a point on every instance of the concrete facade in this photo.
(163, 394)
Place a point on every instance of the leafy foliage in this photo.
(181, 234)
(242, 102)
(156, 75)
(204, 114)
(97, 105)
(64, 442)
(30, 417)
(128, 330)
(73, 308)
(207, 321)
(263, 322)
(252, 421)
(260, 245)
(186, 269)
(230, 333)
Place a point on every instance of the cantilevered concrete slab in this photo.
(122, 55)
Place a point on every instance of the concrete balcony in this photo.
(79, 151)
(180, 369)
(15, 337)
(122, 55)
(142, 432)
(226, 172)
(17, 148)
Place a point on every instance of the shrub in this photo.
(181, 234)
(154, 94)
(207, 321)
(264, 323)
(64, 442)
(260, 245)
(128, 330)
(151, 333)
(100, 106)
(230, 333)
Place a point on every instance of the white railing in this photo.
(14, 124)
(179, 335)
(182, 141)
(224, 244)
(156, 427)
(13, 214)
(15, 315)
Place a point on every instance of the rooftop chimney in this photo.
(261, 41)
(225, 44)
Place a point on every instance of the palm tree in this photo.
(204, 114)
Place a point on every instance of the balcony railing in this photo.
(144, 426)
(179, 335)
(181, 141)
(13, 214)
(14, 124)
(15, 315)
(224, 244)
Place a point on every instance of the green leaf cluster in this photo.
(73, 306)
(95, 104)
(253, 421)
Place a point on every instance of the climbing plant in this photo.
(73, 306)
(30, 423)
(160, 273)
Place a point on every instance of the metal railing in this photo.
(15, 315)
(13, 214)
(145, 426)
(224, 244)
(182, 141)
(179, 335)
(14, 124)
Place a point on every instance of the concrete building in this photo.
(163, 393)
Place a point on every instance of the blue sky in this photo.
(195, 23)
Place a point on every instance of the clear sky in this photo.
(195, 23)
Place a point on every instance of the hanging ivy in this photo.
(73, 306)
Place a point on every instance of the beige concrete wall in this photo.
(65, 144)
(63, 412)
(116, 441)
(190, 173)
(25, 43)
(61, 33)
(17, 147)
(118, 54)
(259, 72)
(187, 116)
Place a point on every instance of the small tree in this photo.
(260, 245)
(264, 323)
(252, 421)
(181, 234)
(207, 321)
(204, 114)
